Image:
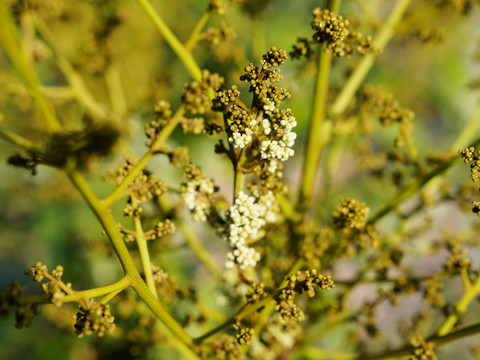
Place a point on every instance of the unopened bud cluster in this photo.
(94, 317)
(422, 349)
(333, 31)
(297, 284)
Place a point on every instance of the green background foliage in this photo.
(42, 218)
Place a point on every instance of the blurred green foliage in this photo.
(124, 62)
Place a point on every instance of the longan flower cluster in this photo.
(297, 284)
(403, 286)
(244, 335)
(225, 347)
(256, 293)
(216, 6)
(264, 129)
(161, 229)
(243, 222)
(218, 36)
(197, 192)
(422, 349)
(333, 30)
(431, 35)
(457, 259)
(469, 157)
(55, 286)
(351, 214)
(377, 101)
(163, 112)
(197, 95)
(432, 294)
(350, 220)
(13, 295)
(143, 187)
(314, 247)
(94, 317)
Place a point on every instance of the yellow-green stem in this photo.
(17, 140)
(362, 69)
(80, 90)
(115, 92)
(436, 340)
(319, 128)
(185, 56)
(194, 242)
(120, 285)
(108, 224)
(11, 44)
(413, 187)
(468, 296)
(195, 35)
(143, 250)
(199, 250)
(142, 163)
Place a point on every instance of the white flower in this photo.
(195, 194)
(244, 219)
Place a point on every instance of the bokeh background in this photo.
(121, 56)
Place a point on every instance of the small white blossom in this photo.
(195, 194)
(269, 105)
(241, 140)
(244, 219)
(243, 256)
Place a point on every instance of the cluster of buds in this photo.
(244, 335)
(457, 260)
(313, 248)
(422, 349)
(256, 293)
(351, 214)
(403, 287)
(350, 219)
(197, 192)
(225, 347)
(389, 110)
(55, 287)
(94, 317)
(161, 229)
(297, 284)
(333, 31)
(144, 186)
(13, 295)
(263, 130)
(197, 95)
(244, 219)
(469, 157)
(163, 114)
